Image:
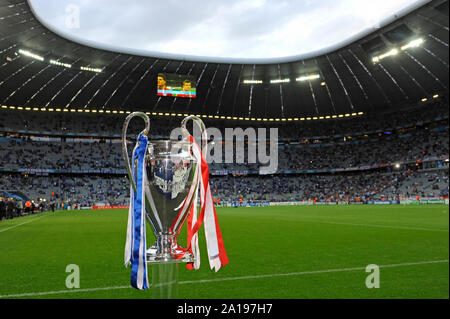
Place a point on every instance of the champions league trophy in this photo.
(165, 178)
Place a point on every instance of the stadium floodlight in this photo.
(397, 165)
(424, 99)
(86, 68)
(384, 55)
(307, 77)
(66, 65)
(280, 81)
(413, 44)
(253, 81)
(323, 83)
(31, 55)
(435, 96)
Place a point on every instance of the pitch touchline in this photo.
(226, 279)
(379, 226)
(28, 221)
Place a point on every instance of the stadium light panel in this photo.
(307, 77)
(66, 65)
(424, 99)
(86, 68)
(384, 55)
(323, 83)
(280, 81)
(253, 81)
(435, 96)
(31, 55)
(4, 107)
(413, 44)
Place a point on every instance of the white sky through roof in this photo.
(248, 29)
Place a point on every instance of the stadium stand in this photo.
(364, 130)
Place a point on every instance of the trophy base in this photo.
(155, 257)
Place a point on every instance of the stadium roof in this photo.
(401, 63)
(235, 31)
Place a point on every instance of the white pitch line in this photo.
(377, 226)
(29, 221)
(32, 294)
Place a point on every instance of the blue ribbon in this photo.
(139, 279)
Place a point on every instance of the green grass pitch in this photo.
(290, 252)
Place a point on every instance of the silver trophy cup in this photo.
(170, 169)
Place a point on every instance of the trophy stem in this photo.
(165, 281)
(164, 251)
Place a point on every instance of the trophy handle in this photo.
(124, 141)
(196, 119)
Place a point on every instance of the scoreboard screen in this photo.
(177, 85)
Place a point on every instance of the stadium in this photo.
(361, 177)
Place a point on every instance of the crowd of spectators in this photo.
(23, 152)
(111, 124)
